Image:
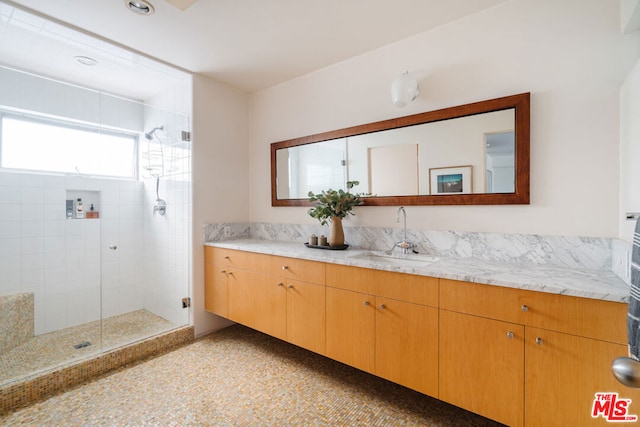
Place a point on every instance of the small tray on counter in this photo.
(331, 248)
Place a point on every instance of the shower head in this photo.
(149, 135)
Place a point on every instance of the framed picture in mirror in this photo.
(451, 180)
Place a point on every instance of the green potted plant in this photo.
(333, 206)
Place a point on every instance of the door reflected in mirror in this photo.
(500, 161)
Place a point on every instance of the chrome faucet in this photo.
(404, 245)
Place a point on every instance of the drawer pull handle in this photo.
(230, 273)
(382, 306)
(510, 335)
(223, 271)
(525, 308)
(290, 286)
(539, 341)
(226, 257)
(284, 267)
(280, 284)
(366, 303)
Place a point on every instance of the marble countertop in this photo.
(596, 284)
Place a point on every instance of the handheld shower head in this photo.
(149, 135)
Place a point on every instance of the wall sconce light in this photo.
(404, 89)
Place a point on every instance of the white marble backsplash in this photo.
(556, 251)
(226, 231)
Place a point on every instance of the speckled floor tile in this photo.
(55, 348)
(239, 377)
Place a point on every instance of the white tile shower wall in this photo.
(61, 260)
(167, 254)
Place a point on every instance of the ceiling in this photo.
(248, 44)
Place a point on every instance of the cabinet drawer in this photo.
(604, 320)
(232, 258)
(290, 268)
(298, 269)
(404, 287)
(212, 254)
(408, 287)
(586, 317)
(245, 260)
(494, 302)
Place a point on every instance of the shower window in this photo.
(29, 143)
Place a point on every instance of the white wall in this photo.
(569, 54)
(630, 15)
(629, 151)
(221, 175)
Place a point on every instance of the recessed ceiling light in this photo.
(85, 60)
(141, 7)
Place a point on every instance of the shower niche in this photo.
(82, 204)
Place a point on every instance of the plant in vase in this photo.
(332, 206)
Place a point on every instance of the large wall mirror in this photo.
(473, 154)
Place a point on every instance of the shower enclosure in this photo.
(86, 262)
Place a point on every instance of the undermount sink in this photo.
(400, 260)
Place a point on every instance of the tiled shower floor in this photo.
(55, 348)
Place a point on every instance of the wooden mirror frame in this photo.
(521, 104)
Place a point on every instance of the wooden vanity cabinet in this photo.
(516, 356)
(280, 296)
(384, 323)
(568, 347)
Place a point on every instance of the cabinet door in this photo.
(564, 373)
(350, 328)
(306, 315)
(215, 289)
(259, 301)
(482, 366)
(407, 344)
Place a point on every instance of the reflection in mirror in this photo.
(472, 154)
(397, 162)
(313, 167)
(500, 161)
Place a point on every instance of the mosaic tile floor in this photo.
(239, 377)
(55, 348)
